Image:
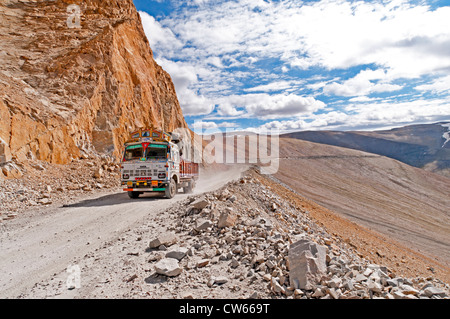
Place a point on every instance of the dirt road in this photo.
(39, 244)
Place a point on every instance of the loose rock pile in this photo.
(40, 184)
(253, 239)
(241, 241)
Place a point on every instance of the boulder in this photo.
(166, 239)
(433, 291)
(307, 262)
(202, 224)
(227, 219)
(168, 267)
(200, 203)
(177, 253)
(98, 173)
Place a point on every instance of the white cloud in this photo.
(159, 37)
(440, 85)
(268, 106)
(363, 99)
(371, 116)
(184, 77)
(275, 86)
(331, 34)
(362, 84)
(208, 125)
(222, 48)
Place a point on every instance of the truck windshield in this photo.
(133, 152)
(156, 152)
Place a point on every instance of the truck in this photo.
(153, 162)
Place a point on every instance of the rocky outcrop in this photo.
(66, 89)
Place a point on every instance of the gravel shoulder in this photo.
(228, 243)
(42, 242)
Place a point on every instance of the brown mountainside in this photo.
(405, 203)
(421, 145)
(67, 90)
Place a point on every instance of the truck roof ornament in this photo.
(149, 135)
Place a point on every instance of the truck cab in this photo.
(152, 162)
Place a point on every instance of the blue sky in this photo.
(304, 65)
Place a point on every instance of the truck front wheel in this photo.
(171, 189)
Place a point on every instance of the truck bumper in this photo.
(144, 189)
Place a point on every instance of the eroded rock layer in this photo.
(69, 88)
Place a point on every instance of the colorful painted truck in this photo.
(153, 162)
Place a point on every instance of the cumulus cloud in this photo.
(440, 85)
(209, 125)
(373, 116)
(364, 83)
(159, 37)
(250, 58)
(268, 106)
(184, 77)
(275, 86)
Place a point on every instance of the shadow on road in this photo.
(115, 199)
(155, 279)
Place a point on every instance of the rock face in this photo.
(307, 262)
(66, 89)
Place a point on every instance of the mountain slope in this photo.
(400, 201)
(421, 145)
(65, 91)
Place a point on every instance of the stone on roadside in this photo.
(45, 201)
(98, 173)
(318, 293)
(408, 290)
(168, 267)
(227, 219)
(433, 291)
(166, 239)
(307, 262)
(335, 282)
(177, 253)
(202, 263)
(374, 287)
(334, 293)
(200, 203)
(202, 224)
(220, 280)
(275, 285)
(258, 258)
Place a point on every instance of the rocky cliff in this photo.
(76, 77)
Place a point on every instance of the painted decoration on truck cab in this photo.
(132, 147)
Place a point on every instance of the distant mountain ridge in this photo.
(422, 145)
